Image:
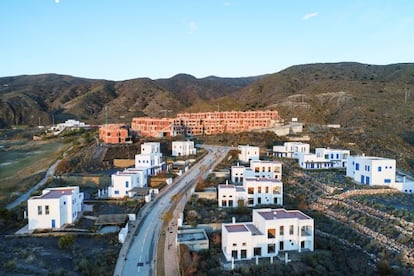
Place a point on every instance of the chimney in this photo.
(233, 220)
(227, 182)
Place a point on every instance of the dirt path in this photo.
(49, 173)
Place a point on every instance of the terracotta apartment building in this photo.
(114, 134)
(205, 123)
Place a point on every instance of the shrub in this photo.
(66, 241)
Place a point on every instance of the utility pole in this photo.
(106, 115)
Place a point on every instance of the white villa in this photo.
(248, 153)
(338, 157)
(183, 148)
(272, 231)
(255, 191)
(54, 208)
(124, 183)
(371, 170)
(258, 168)
(150, 158)
(312, 161)
(291, 149)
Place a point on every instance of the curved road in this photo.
(139, 257)
(49, 173)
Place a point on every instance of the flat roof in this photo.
(253, 229)
(233, 228)
(282, 214)
(258, 179)
(226, 186)
(56, 193)
(191, 235)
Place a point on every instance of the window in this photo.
(263, 169)
(357, 166)
(281, 246)
(302, 244)
(250, 190)
(271, 248)
(47, 210)
(281, 230)
(116, 192)
(379, 169)
(224, 203)
(259, 200)
(266, 190)
(291, 230)
(243, 253)
(250, 201)
(257, 251)
(244, 244)
(234, 244)
(387, 180)
(269, 169)
(126, 184)
(271, 233)
(276, 190)
(259, 189)
(257, 169)
(39, 210)
(234, 254)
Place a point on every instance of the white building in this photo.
(255, 191)
(266, 169)
(258, 168)
(311, 161)
(183, 148)
(338, 157)
(150, 158)
(371, 170)
(291, 149)
(248, 153)
(272, 231)
(123, 183)
(237, 174)
(54, 208)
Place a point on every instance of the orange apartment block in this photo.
(153, 127)
(205, 123)
(114, 134)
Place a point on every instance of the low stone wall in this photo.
(124, 163)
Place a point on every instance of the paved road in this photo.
(140, 259)
(49, 173)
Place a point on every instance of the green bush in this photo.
(66, 241)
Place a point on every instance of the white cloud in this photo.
(310, 15)
(192, 27)
(57, 1)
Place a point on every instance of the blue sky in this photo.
(124, 39)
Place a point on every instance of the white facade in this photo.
(150, 158)
(54, 208)
(255, 191)
(271, 231)
(237, 174)
(258, 168)
(183, 148)
(371, 170)
(291, 149)
(338, 157)
(124, 182)
(248, 153)
(311, 161)
(266, 169)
